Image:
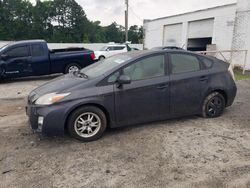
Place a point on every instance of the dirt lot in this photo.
(188, 152)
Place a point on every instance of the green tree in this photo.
(15, 20)
(113, 33)
(135, 34)
(42, 15)
(71, 23)
(57, 21)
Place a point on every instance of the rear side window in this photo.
(37, 50)
(113, 48)
(207, 62)
(118, 47)
(21, 51)
(182, 63)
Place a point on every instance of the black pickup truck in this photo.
(34, 58)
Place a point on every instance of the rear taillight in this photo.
(92, 55)
(231, 72)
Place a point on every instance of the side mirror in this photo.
(123, 79)
(4, 56)
(107, 50)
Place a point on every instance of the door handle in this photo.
(162, 86)
(203, 78)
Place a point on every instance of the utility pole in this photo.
(126, 21)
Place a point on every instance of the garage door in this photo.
(172, 35)
(201, 28)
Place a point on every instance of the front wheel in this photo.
(213, 105)
(2, 74)
(87, 123)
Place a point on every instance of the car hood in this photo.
(59, 85)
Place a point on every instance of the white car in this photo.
(110, 50)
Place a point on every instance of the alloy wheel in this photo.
(214, 106)
(73, 68)
(87, 124)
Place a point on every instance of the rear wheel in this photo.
(73, 67)
(87, 123)
(101, 58)
(213, 105)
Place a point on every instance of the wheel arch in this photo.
(219, 90)
(223, 93)
(101, 107)
(101, 56)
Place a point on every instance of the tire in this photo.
(84, 119)
(213, 105)
(71, 68)
(101, 58)
(2, 74)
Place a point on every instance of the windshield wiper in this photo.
(81, 74)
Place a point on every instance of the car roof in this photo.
(14, 43)
(123, 45)
(141, 53)
(27, 41)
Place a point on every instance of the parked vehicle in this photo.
(112, 49)
(134, 49)
(131, 88)
(33, 58)
(167, 48)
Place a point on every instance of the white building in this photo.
(219, 28)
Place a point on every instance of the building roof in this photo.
(148, 20)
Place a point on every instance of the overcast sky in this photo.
(108, 11)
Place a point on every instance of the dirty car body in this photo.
(166, 91)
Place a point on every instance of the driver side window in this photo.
(149, 67)
(21, 51)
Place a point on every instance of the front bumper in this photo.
(53, 116)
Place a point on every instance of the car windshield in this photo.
(3, 47)
(101, 67)
(104, 48)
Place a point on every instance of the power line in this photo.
(133, 12)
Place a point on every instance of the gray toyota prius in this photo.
(131, 88)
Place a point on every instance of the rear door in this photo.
(187, 81)
(18, 61)
(147, 96)
(40, 59)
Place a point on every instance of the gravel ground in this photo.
(187, 152)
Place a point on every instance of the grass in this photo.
(239, 76)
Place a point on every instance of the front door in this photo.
(147, 96)
(18, 61)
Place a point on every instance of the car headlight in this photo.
(50, 98)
